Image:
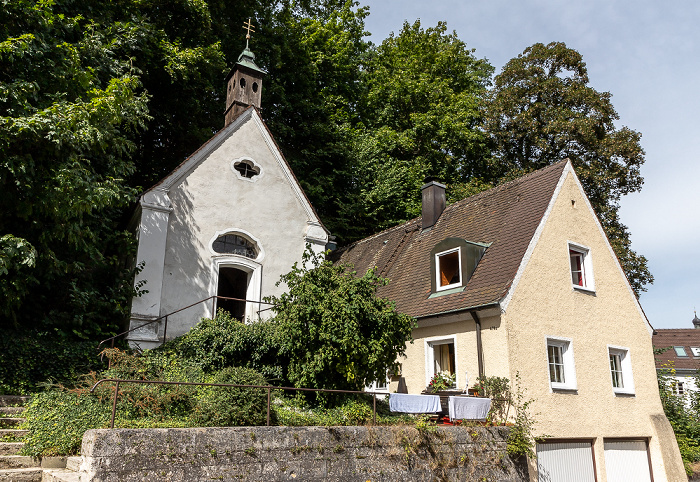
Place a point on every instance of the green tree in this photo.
(543, 110)
(337, 333)
(69, 108)
(420, 117)
(313, 56)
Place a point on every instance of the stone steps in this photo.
(10, 448)
(33, 474)
(12, 435)
(60, 475)
(18, 462)
(13, 400)
(9, 422)
(9, 411)
(19, 468)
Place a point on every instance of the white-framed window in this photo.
(448, 269)
(560, 363)
(440, 356)
(695, 350)
(581, 267)
(678, 388)
(621, 369)
(236, 275)
(680, 351)
(379, 386)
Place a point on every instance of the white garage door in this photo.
(565, 462)
(627, 461)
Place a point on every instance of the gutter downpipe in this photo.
(479, 346)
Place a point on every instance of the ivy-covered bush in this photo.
(229, 406)
(30, 359)
(225, 342)
(57, 420)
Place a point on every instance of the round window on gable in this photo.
(255, 86)
(235, 244)
(246, 169)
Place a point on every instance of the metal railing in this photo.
(269, 389)
(165, 317)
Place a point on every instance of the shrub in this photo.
(225, 342)
(498, 389)
(57, 420)
(229, 406)
(31, 359)
(337, 332)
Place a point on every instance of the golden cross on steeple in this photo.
(250, 28)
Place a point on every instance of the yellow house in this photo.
(521, 279)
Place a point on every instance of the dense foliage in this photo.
(420, 116)
(99, 100)
(30, 360)
(58, 418)
(543, 110)
(226, 342)
(337, 333)
(683, 412)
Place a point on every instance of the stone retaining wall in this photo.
(302, 453)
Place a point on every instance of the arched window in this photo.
(235, 244)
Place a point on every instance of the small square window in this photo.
(621, 370)
(678, 388)
(695, 350)
(580, 266)
(448, 266)
(680, 351)
(560, 361)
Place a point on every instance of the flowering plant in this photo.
(441, 381)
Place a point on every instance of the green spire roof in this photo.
(247, 59)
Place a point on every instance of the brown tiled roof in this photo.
(685, 337)
(505, 216)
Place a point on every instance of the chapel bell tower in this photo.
(244, 82)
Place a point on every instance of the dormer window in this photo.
(448, 269)
(452, 263)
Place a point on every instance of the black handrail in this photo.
(165, 328)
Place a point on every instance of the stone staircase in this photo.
(20, 468)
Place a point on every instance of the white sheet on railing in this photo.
(468, 408)
(402, 402)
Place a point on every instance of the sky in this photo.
(647, 55)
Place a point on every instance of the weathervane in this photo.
(250, 28)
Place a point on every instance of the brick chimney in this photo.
(433, 202)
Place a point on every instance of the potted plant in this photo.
(441, 381)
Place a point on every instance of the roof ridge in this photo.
(496, 189)
(461, 202)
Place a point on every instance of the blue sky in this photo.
(647, 54)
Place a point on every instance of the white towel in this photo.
(402, 402)
(468, 408)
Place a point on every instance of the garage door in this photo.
(565, 462)
(627, 461)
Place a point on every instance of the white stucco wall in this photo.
(209, 198)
